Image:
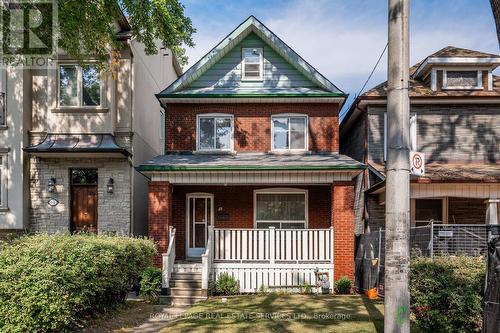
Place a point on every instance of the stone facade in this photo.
(114, 209)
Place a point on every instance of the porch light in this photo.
(110, 185)
(51, 186)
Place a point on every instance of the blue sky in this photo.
(344, 38)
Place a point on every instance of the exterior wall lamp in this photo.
(51, 186)
(110, 185)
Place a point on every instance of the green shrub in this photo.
(306, 288)
(446, 293)
(49, 283)
(343, 285)
(151, 284)
(263, 289)
(226, 285)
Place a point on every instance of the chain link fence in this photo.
(428, 241)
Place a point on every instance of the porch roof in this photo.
(250, 162)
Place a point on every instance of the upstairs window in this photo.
(289, 133)
(215, 133)
(79, 86)
(462, 79)
(252, 64)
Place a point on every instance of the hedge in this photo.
(49, 283)
(447, 293)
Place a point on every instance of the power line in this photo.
(373, 70)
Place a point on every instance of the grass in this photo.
(283, 313)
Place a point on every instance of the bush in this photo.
(306, 288)
(48, 283)
(446, 293)
(343, 285)
(151, 284)
(226, 285)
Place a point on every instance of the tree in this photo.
(89, 27)
(495, 6)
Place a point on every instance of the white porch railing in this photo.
(168, 259)
(206, 260)
(273, 245)
(273, 258)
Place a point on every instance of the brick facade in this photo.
(160, 217)
(343, 224)
(252, 124)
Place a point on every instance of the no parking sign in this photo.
(417, 163)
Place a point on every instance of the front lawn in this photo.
(283, 313)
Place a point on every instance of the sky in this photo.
(343, 39)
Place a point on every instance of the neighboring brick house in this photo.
(252, 167)
(83, 132)
(455, 122)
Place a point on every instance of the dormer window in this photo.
(252, 64)
(462, 79)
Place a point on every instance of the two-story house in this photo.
(455, 122)
(252, 179)
(70, 138)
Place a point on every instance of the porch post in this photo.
(160, 216)
(492, 211)
(342, 217)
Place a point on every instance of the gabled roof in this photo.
(181, 87)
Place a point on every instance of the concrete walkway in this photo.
(161, 316)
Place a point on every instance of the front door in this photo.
(199, 214)
(84, 200)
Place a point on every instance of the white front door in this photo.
(199, 215)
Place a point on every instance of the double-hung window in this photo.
(289, 133)
(215, 133)
(252, 64)
(79, 86)
(281, 208)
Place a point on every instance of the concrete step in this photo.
(181, 300)
(180, 291)
(185, 283)
(186, 276)
(187, 268)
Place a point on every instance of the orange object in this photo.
(372, 293)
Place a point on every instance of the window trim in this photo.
(281, 190)
(79, 88)
(215, 116)
(261, 64)
(479, 73)
(306, 134)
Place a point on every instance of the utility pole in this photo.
(397, 203)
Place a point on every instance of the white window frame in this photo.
(215, 116)
(281, 190)
(306, 134)
(162, 131)
(4, 165)
(261, 64)
(479, 85)
(79, 88)
(413, 127)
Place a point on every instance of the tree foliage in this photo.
(90, 27)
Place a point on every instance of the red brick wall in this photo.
(237, 201)
(252, 124)
(160, 216)
(343, 223)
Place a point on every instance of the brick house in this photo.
(454, 121)
(252, 179)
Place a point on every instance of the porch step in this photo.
(187, 268)
(186, 276)
(181, 300)
(181, 291)
(182, 283)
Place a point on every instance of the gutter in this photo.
(166, 168)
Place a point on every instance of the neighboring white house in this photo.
(71, 137)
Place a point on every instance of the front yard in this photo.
(283, 313)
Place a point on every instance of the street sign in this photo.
(417, 163)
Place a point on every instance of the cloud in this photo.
(343, 39)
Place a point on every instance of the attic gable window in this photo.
(462, 79)
(252, 64)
